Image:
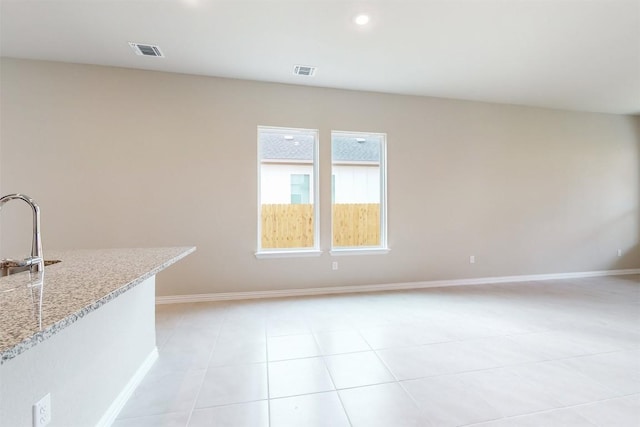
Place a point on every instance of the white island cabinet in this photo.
(82, 333)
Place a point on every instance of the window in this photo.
(358, 190)
(287, 199)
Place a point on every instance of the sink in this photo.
(10, 267)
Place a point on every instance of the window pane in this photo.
(299, 188)
(358, 191)
(287, 188)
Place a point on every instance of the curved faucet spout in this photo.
(36, 244)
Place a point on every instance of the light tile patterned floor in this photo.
(554, 353)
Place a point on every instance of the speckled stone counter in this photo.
(35, 307)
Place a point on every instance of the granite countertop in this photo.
(34, 307)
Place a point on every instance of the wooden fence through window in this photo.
(291, 226)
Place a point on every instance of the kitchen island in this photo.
(83, 331)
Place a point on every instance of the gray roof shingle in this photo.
(274, 146)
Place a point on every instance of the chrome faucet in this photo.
(36, 261)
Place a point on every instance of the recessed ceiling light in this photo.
(361, 19)
(360, 140)
(288, 137)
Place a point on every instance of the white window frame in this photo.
(291, 252)
(383, 248)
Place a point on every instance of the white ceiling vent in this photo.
(146, 49)
(304, 70)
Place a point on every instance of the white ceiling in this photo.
(568, 54)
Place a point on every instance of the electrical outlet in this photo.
(334, 265)
(42, 411)
(472, 259)
(619, 252)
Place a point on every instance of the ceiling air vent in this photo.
(304, 70)
(146, 49)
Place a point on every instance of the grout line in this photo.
(135, 417)
(558, 408)
(504, 366)
(213, 348)
(393, 382)
(266, 350)
(333, 382)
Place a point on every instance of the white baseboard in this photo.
(226, 296)
(114, 409)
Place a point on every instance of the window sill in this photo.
(359, 251)
(288, 253)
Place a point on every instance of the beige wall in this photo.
(119, 157)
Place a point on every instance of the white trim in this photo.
(384, 230)
(224, 296)
(266, 252)
(355, 163)
(116, 406)
(383, 187)
(359, 251)
(286, 162)
(288, 253)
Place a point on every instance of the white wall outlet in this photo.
(619, 252)
(334, 265)
(472, 259)
(42, 411)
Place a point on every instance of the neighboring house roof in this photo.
(274, 146)
(350, 149)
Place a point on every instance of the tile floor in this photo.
(555, 353)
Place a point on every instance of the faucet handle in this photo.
(27, 262)
(33, 260)
(11, 263)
